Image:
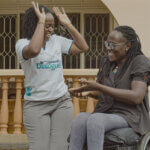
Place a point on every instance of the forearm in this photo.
(36, 42)
(124, 95)
(78, 39)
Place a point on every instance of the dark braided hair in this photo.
(30, 21)
(130, 35)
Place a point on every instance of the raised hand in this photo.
(41, 15)
(62, 16)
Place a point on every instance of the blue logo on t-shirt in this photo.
(52, 65)
(28, 90)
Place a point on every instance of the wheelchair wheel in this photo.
(145, 142)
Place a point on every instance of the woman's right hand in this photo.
(41, 15)
(78, 94)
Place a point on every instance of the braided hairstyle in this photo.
(130, 35)
(30, 21)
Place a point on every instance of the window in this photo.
(7, 42)
(69, 61)
(96, 29)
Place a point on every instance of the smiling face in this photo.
(49, 26)
(118, 51)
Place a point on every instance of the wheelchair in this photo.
(124, 139)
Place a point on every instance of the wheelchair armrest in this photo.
(144, 141)
(125, 136)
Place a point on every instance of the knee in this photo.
(95, 122)
(80, 120)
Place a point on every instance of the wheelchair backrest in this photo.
(149, 94)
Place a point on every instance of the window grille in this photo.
(96, 29)
(8, 58)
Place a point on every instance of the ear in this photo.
(128, 46)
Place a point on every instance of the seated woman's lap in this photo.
(99, 120)
(91, 128)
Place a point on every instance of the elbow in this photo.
(34, 52)
(138, 100)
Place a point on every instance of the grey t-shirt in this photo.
(137, 116)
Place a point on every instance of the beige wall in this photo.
(134, 13)
(13, 6)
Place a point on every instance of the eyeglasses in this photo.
(112, 45)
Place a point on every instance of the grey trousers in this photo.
(91, 127)
(48, 123)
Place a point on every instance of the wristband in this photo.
(41, 23)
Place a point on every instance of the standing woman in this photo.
(48, 109)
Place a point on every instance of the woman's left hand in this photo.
(89, 85)
(62, 16)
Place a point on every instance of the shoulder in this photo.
(61, 38)
(55, 36)
(140, 65)
(22, 42)
(140, 60)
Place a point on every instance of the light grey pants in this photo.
(48, 123)
(91, 127)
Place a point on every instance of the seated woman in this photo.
(121, 86)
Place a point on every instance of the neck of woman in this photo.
(121, 62)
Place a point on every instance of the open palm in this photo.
(62, 16)
(41, 15)
(88, 86)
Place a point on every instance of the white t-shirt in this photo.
(44, 73)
